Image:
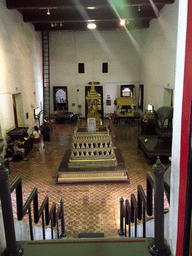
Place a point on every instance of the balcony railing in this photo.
(138, 208)
(131, 212)
(47, 216)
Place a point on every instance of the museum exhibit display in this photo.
(63, 116)
(19, 143)
(100, 102)
(93, 156)
(159, 144)
(125, 106)
(148, 122)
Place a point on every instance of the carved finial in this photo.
(158, 167)
(158, 162)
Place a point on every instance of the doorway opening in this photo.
(18, 110)
(15, 110)
(168, 97)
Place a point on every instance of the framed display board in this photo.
(60, 98)
(91, 122)
(108, 102)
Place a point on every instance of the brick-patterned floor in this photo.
(88, 207)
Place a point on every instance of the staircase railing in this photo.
(22, 209)
(137, 209)
(53, 215)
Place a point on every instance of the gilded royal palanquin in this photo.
(125, 106)
(92, 103)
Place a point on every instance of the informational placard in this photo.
(108, 102)
(91, 124)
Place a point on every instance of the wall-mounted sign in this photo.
(108, 102)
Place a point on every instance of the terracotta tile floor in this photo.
(88, 207)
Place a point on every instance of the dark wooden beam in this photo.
(36, 4)
(148, 2)
(75, 15)
(66, 15)
(71, 26)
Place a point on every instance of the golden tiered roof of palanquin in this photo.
(92, 95)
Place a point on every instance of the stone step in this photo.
(68, 177)
(88, 246)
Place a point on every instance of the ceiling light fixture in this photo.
(139, 8)
(122, 22)
(48, 12)
(91, 7)
(91, 26)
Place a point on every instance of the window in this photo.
(128, 90)
(81, 68)
(105, 67)
(60, 96)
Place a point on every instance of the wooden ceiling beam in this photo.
(71, 26)
(74, 15)
(63, 15)
(36, 4)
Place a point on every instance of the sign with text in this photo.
(91, 125)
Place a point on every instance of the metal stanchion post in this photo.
(159, 248)
(13, 249)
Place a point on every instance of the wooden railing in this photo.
(47, 216)
(138, 208)
(53, 215)
(130, 212)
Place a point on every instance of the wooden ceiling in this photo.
(76, 14)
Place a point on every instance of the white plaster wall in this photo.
(163, 49)
(159, 55)
(38, 72)
(175, 165)
(21, 67)
(121, 49)
(22, 232)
